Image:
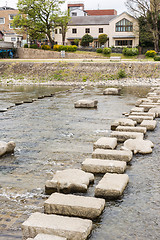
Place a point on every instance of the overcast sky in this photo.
(89, 4)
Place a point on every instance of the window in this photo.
(10, 26)
(13, 39)
(124, 26)
(11, 16)
(2, 20)
(87, 30)
(74, 30)
(74, 14)
(60, 31)
(123, 42)
(100, 30)
(56, 31)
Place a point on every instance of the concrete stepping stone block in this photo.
(137, 109)
(3, 110)
(86, 103)
(118, 155)
(123, 122)
(148, 114)
(148, 106)
(94, 165)
(149, 124)
(141, 100)
(47, 237)
(19, 103)
(68, 181)
(132, 129)
(112, 91)
(123, 136)
(139, 119)
(105, 143)
(139, 146)
(7, 147)
(72, 205)
(69, 227)
(155, 110)
(111, 185)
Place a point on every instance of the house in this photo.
(122, 30)
(6, 16)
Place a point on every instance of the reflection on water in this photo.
(50, 135)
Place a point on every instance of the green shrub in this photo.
(46, 47)
(157, 58)
(68, 48)
(106, 51)
(99, 50)
(25, 45)
(130, 51)
(122, 73)
(150, 53)
(34, 46)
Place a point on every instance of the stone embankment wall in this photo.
(78, 72)
(27, 53)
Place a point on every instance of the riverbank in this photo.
(80, 73)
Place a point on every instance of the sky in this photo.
(89, 4)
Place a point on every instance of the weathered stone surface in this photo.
(105, 143)
(3, 110)
(137, 109)
(111, 185)
(139, 119)
(150, 114)
(103, 166)
(47, 237)
(139, 146)
(148, 106)
(69, 227)
(118, 155)
(69, 180)
(123, 136)
(122, 122)
(131, 129)
(112, 91)
(86, 103)
(155, 110)
(149, 124)
(72, 205)
(141, 100)
(7, 147)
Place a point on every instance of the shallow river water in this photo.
(50, 135)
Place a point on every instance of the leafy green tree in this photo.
(102, 38)
(36, 18)
(145, 35)
(62, 22)
(86, 39)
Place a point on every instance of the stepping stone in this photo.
(137, 109)
(139, 119)
(3, 110)
(111, 185)
(40, 97)
(131, 129)
(118, 155)
(112, 91)
(85, 103)
(69, 180)
(123, 122)
(148, 114)
(155, 110)
(28, 101)
(69, 227)
(19, 103)
(7, 147)
(139, 146)
(103, 166)
(148, 106)
(105, 143)
(149, 124)
(72, 205)
(141, 100)
(123, 136)
(47, 237)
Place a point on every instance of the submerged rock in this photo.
(112, 91)
(7, 147)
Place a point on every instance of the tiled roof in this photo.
(90, 20)
(101, 12)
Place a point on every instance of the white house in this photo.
(122, 30)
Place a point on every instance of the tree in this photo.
(102, 38)
(86, 39)
(37, 17)
(145, 36)
(150, 11)
(62, 22)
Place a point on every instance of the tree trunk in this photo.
(50, 38)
